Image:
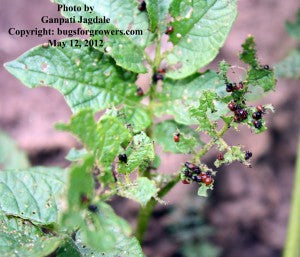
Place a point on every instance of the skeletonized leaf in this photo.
(103, 139)
(20, 238)
(32, 193)
(200, 29)
(257, 75)
(141, 191)
(178, 96)
(140, 151)
(86, 77)
(164, 132)
(10, 156)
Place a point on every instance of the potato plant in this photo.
(66, 211)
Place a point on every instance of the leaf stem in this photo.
(146, 212)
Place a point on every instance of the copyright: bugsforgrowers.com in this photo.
(42, 32)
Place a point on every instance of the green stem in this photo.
(146, 212)
(292, 247)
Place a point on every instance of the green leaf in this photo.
(200, 29)
(256, 75)
(80, 184)
(186, 144)
(294, 28)
(103, 139)
(19, 238)
(32, 193)
(141, 191)
(86, 77)
(223, 69)
(111, 226)
(248, 55)
(157, 11)
(178, 96)
(164, 132)
(290, 66)
(10, 156)
(138, 117)
(262, 78)
(140, 151)
(127, 50)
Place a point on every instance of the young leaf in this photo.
(186, 144)
(10, 156)
(203, 111)
(103, 139)
(235, 154)
(202, 191)
(289, 67)
(157, 11)
(138, 117)
(32, 193)
(294, 28)
(178, 96)
(141, 191)
(200, 29)
(86, 77)
(125, 47)
(256, 75)
(164, 132)
(20, 238)
(140, 151)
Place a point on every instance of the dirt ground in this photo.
(249, 208)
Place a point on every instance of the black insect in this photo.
(248, 155)
(123, 158)
(142, 6)
(93, 208)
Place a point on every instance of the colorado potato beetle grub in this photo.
(157, 77)
(232, 106)
(260, 108)
(220, 157)
(122, 158)
(140, 91)
(248, 155)
(176, 137)
(142, 6)
(257, 115)
(208, 181)
(161, 70)
(84, 199)
(229, 87)
(186, 182)
(92, 208)
(169, 30)
(257, 124)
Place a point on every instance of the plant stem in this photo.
(146, 212)
(292, 247)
